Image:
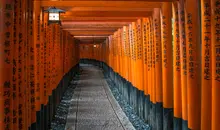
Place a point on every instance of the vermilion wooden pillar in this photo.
(36, 49)
(46, 83)
(140, 68)
(215, 46)
(145, 38)
(149, 64)
(31, 65)
(135, 66)
(116, 51)
(167, 65)
(42, 69)
(6, 64)
(131, 53)
(45, 57)
(134, 46)
(176, 70)
(21, 65)
(144, 51)
(206, 83)
(42, 40)
(125, 52)
(132, 100)
(139, 55)
(158, 68)
(28, 63)
(119, 40)
(183, 63)
(110, 51)
(15, 65)
(153, 73)
(193, 53)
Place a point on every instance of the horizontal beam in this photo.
(107, 14)
(92, 40)
(95, 23)
(98, 19)
(86, 42)
(128, 0)
(93, 33)
(90, 37)
(108, 9)
(90, 29)
(92, 25)
(69, 28)
(127, 4)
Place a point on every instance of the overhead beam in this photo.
(89, 37)
(98, 19)
(127, 4)
(92, 40)
(78, 32)
(92, 25)
(101, 20)
(93, 33)
(96, 23)
(108, 14)
(90, 29)
(108, 9)
(129, 0)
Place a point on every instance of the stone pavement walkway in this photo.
(93, 106)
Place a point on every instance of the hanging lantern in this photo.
(54, 15)
(94, 45)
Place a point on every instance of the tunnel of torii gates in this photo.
(163, 54)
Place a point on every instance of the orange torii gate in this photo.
(32, 69)
(189, 69)
(169, 75)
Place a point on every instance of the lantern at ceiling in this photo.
(54, 15)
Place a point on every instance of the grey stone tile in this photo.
(98, 127)
(92, 121)
(90, 107)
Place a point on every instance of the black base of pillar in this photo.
(140, 100)
(185, 125)
(167, 119)
(130, 93)
(159, 116)
(152, 117)
(147, 108)
(134, 97)
(50, 110)
(38, 123)
(46, 117)
(177, 123)
(42, 117)
(34, 126)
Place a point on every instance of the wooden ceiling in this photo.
(94, 20)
